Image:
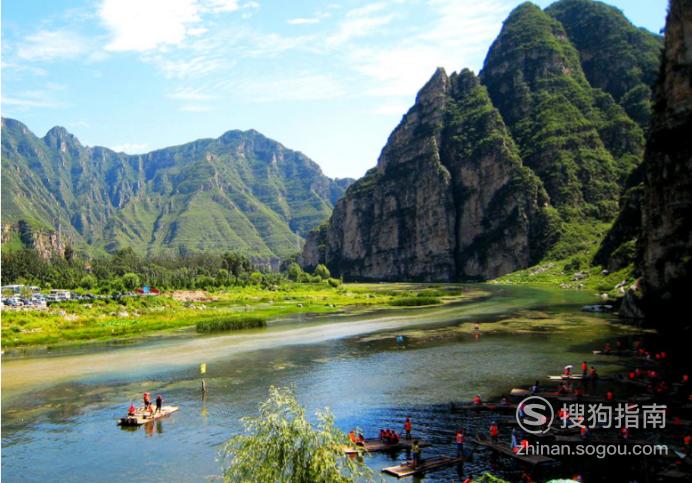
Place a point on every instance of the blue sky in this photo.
(330, 79)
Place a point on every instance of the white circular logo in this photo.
(535, 415)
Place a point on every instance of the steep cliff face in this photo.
(666, 241)
(449, 197)
(46, 242)
(577, 139)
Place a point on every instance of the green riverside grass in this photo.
(230, 308)
(231, 323)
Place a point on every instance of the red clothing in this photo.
(494, 431)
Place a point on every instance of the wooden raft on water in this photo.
(424, 466)
(504, 449)
(375, 445)
(142, 417)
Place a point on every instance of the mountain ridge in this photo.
(241, 191)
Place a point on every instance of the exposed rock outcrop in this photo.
(449, 197)
(666, 240)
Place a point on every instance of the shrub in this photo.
(235, 322)
(322, 271)
(334, 282)
(414, 301)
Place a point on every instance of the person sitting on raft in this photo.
(132, 410)
(477, 400)
(567, 371)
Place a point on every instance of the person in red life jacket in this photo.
(610, 395)
(664, 355)
(606, 348)
(584, 369)
(395, 438)
(407, 427)
(685, 379)
(477, 400)
(147, 400)
(567, 371)
(132, 410)
(494, 431)
(526, 477)
(687, 442)
(459, 441)
(159, 403)
(632, 375)
(624, 432)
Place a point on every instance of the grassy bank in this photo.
(105, 320)
(562, 273)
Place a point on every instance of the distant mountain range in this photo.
(492, 173)
(241, 191)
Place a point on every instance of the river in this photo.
(59, 410)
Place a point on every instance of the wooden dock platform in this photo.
(142, 417)
(507, 451)
(375, 445)
(424, 466)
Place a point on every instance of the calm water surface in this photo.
(59, 411)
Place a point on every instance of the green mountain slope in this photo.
(616, 56)
(241, 191)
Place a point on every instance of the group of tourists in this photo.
(148, 409)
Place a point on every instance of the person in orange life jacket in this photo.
(477, 400)
(584, 368)
(494, 431)
(395, 438)
(352, 436)
(132, 410)
(407, 427)
(632, 375)
(147, 400)
(459, 440)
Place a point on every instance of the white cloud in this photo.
(190, 94)
(300, 87)
(25, 102)
(222, 5)
(140, 26)
(130, 148)
(360, 22)
(303, 21)
(47, 45)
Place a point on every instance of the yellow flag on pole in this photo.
(203, 368)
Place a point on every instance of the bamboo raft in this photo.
(142, 417)
(405, 469)
(375, 445)
(489, 406)
(504, 449)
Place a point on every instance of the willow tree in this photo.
(281, 445)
